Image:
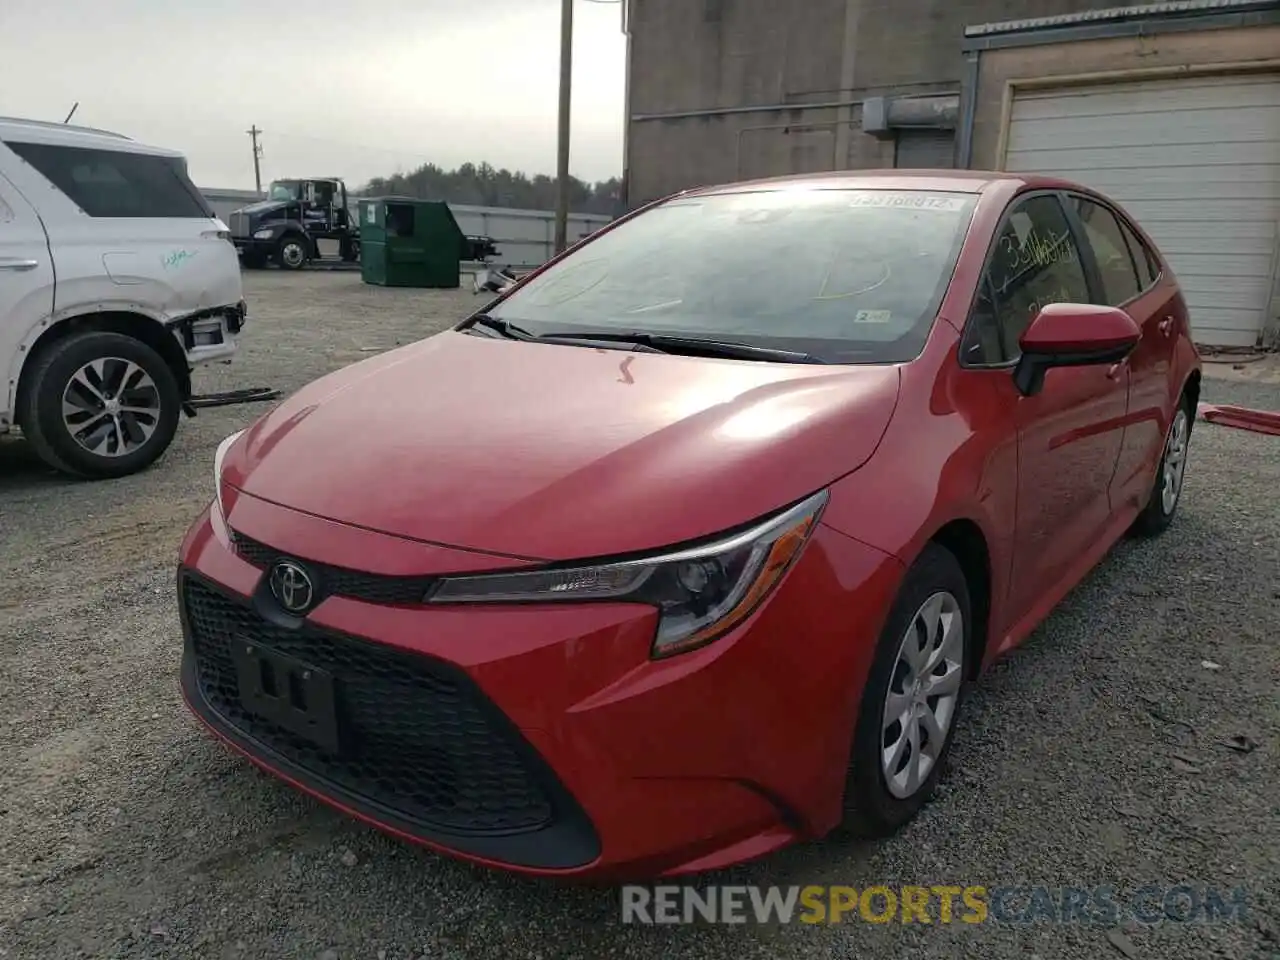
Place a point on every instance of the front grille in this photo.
(239, 225)
(417, 737)
(340, 581)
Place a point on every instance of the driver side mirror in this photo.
(1072, 335)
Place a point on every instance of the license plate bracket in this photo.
(288, 692)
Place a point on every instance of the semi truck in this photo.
(285, 228)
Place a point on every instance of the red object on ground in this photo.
(613, 608)
(1242, 418)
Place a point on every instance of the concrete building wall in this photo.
(745, 74)
(670, 155)
(1118, 59)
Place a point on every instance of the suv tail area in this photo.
(116, 279)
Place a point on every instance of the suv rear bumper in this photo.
(209, 335)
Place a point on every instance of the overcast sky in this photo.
(339, 88)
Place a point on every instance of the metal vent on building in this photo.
(925, 149)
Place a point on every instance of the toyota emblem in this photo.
(292, 586)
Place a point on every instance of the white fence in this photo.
(525, 238)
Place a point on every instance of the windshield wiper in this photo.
(504, 327)
(649, 342)
(728, 349)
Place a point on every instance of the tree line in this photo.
(483, 185)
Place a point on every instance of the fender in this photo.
(282, 225)
(1186, 361)
(40, 327)
(281, 228)
(180, 325)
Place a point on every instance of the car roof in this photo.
(71, 135)
(946, 181)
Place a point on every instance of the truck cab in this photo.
(286, 226)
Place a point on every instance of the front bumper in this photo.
(251, 246)
(542, 739)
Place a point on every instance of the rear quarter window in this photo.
(1147, 264)
(114, 183)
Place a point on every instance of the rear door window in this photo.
(117, 183)
(1120, 281)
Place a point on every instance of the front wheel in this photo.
(1166, 492)
(911, 698)
(100, 405)
(292, 252)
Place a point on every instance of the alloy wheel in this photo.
(111, 406)
(924, 691)
(1175, 461)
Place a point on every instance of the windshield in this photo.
(283, 190)
(847, 276)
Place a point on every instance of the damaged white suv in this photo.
(116, 279)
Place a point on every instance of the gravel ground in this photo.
(1095, 755)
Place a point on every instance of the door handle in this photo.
(16, 263)
(1113, 372)
(1166, 325)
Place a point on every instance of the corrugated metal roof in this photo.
(1171, 8)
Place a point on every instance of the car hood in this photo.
(556, 452)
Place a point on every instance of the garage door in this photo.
(1196, 161)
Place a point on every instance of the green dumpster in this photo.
(405, 242)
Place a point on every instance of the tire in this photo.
(87, 367)
(1166, 489)
(872, 807)
(292, 252)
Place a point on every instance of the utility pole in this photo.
(566, 86)
(257, 156)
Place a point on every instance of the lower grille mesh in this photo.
(418, 740)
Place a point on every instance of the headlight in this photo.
(218, 457)
(701, 593)
(263, 234)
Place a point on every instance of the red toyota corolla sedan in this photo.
(683, 549)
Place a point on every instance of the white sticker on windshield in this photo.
(909, 201)
(873, 316)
